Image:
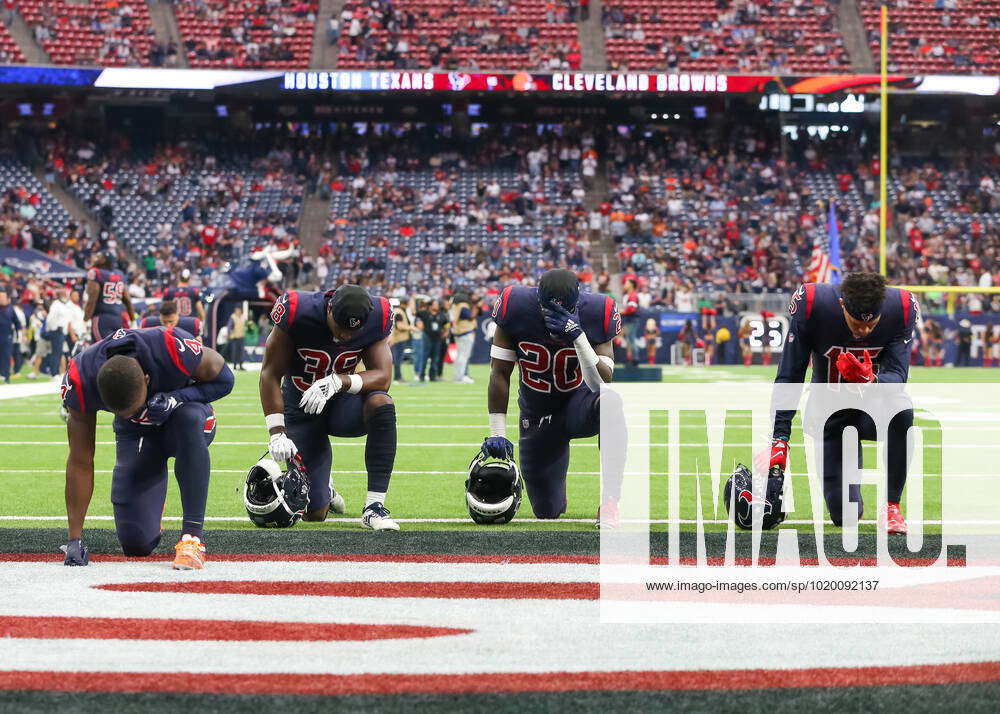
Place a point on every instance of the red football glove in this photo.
(765, 460)
(854, 370)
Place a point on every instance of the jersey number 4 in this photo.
(538, 361)
(316, 365)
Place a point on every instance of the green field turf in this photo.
(440, 428)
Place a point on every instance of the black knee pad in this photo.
(382, 416)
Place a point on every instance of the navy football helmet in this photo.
(742, 506)
(276, 498)
(493, 490)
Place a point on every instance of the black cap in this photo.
(350, 306)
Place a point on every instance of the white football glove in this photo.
(281, 447)
(315, 398)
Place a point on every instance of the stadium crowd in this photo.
(183, 207)
(695, 215)
(415, 204)
(741, 36)
(474, 34)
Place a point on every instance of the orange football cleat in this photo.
(190, 553)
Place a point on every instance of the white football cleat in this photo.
(337, 504)
(376, 517)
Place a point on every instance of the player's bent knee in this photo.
(548, 510)
(383, 413)
(316, 515)
(376, 400)
(136, 544)
(189, 417)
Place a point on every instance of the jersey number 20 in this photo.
(537, 360)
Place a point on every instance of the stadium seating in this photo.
(943, 36)
(92, 32)
(431, 229)
(48, 212)
(217, 33)
(10, 53)
(472, 34)
(698, 36)
(241, 204)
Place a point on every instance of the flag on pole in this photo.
(833, 232)
(819, 269)
(824, 264)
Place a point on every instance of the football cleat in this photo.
(275, 498)
(607, 516)
(376, 517)
(493, 489)
(189, 553)
(744, 502)
(337, 504)
(891, 519)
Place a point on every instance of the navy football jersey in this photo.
(549, 370)
(111, 288)
(168, 355)
(818, 331)
(302, 315)
(188, 324)
(186, 298)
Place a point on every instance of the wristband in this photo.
(498, 424)
(273, 420)
(503, 353)
(356, 384)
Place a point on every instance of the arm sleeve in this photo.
(206, 392)
(794, 362)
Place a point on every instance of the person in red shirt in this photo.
(209, 234)
(630, 320)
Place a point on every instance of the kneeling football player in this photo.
(309, 391)
(855, 332)
(562, 342)
(170, 317)
(159, 383)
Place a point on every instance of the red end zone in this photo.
(111, 628)
(326, 684)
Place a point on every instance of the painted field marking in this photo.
(651, 521)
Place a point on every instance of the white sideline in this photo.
(653, 521)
